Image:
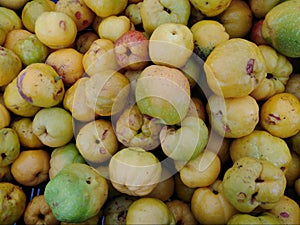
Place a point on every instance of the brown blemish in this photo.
(62, 24)
(250, 66)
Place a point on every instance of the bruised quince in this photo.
(250, 183)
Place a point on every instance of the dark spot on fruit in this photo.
(97, 141)
(104, 134)
(41, 216)
(19, 86)
(259, 180)
(215, 192)
(85, 22)
(284, 215)
(206, 3)
(282, 168)
(250, 66)
(270, 76)
(78, 15)
(253, 197)
(38, 174)
(240, 166)
(273, 119)
(167, 10)
(88, 181)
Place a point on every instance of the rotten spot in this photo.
(122, 215)
(273, 119)
(88, 180)
(62, 24)
(78, 15)
(250, 66)
(284, 215)
(97, 141)
(270, 76)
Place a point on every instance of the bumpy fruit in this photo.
(280, 28)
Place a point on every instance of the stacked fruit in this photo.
(149, 112)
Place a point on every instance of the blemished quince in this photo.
(76, 193)
(251, 182)
(235, 68)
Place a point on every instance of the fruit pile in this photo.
(149, 112)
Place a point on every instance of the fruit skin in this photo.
(9, 19)
(13, 203)
(53, 126)
(181, 211)
(96, 141)
(107, 92)
(201, 171)
(105, 8)
(67, 63)
(55, 29)
(31, 168)
(215, 34)
(10, 64)
(16, 103)
(9, 146)
(134, 171)
(234, 68)
(279, 28)
(187, 142)
(261, 8)
(32, 10)
(82, 15)
(212, 7)
(209, 205)
(279, 115)
(279, 69)
(62, 156)
(115, 210)
(287, 211)
(264, 218)
(76, 193)
(40, 85)
(23, 127)
(31, 50)
(149, 211)
(237, 19)
(121, 25)
(293, 85)
(224, 119)
(137, 44)
(5, 117)
(250, 183)
(171, 105)
(262, 145)
(171, 39)
(14, 36)
(157, 12)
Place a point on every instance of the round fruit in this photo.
(172, 104)
(76, 185)
(149, 211)
(55, 29)
(105, 8)
(40, 85)
(211, 8)
(10, 64)
(13, 203)
(134, 171)
(279, 28)
(32, 10)
(4, 116)
(96, 141)
(280, 115)
(31, 167)
(251, 182)
(9, 146)
(38, 212)
(234, 68)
